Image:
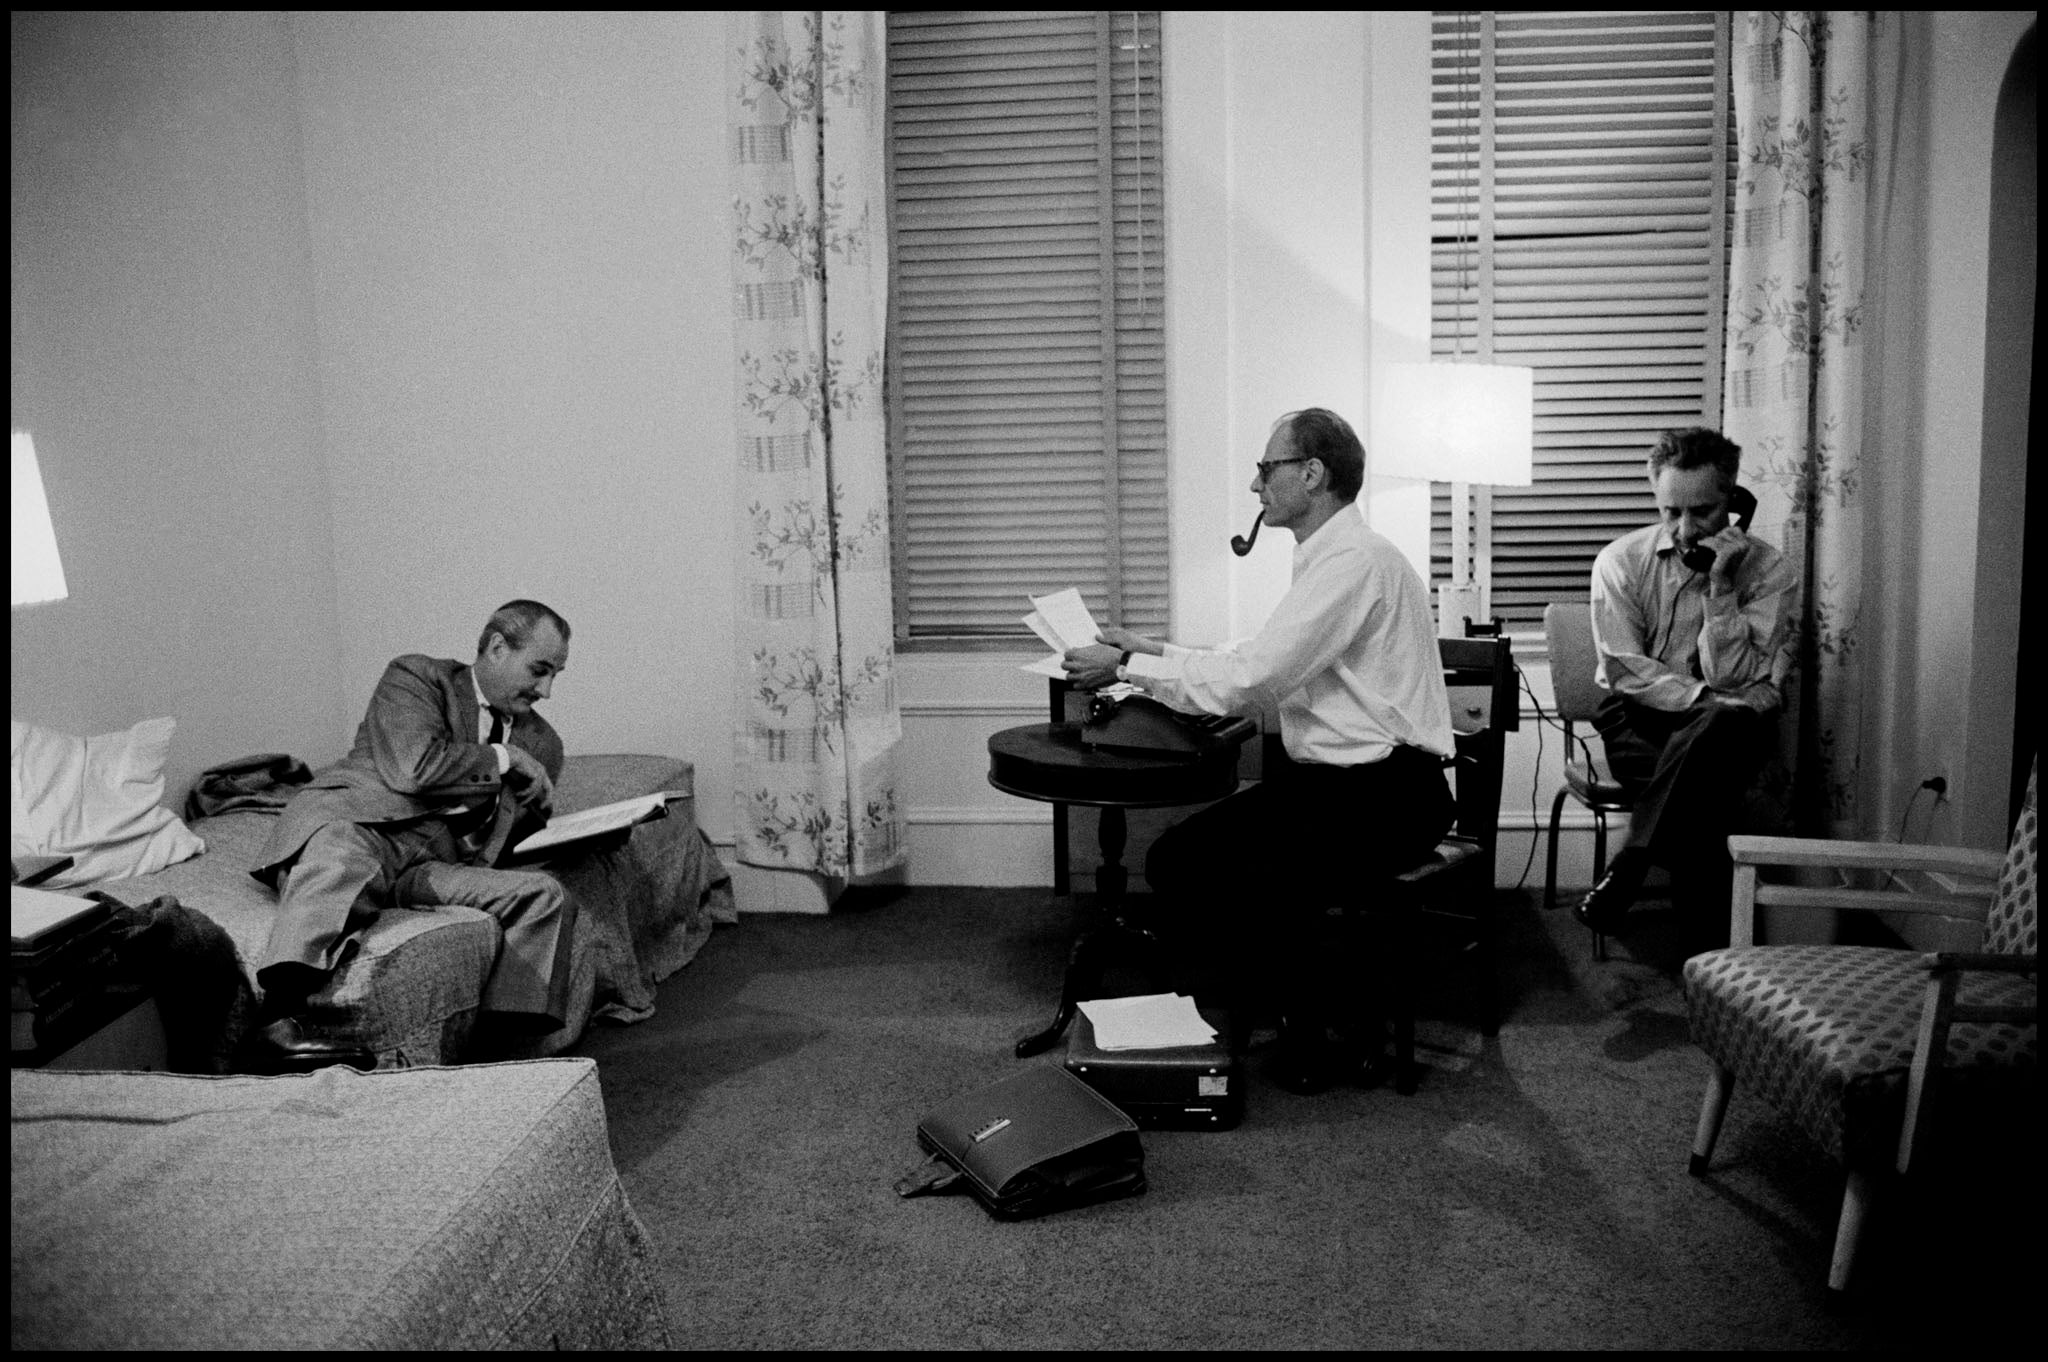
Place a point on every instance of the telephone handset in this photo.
(1741, 506)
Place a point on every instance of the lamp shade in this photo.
(1457, 423)
(38, 572)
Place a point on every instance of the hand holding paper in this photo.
(1063, 621)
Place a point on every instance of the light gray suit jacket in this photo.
(416, 756)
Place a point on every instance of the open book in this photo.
(566, 830)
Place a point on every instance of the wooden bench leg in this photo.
(1856, 1198)
(1712, 1109)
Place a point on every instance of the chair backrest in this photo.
(2013, 926)
(1569, 629)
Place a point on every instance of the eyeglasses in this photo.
(1266, 466)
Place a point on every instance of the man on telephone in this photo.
(1691, 620)
(1350, 660)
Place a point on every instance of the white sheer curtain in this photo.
(1806, 91)
(819, 725)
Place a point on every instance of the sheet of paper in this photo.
(1046, 666)
(1154, 1021)
(1035, 622)
(1066, 614)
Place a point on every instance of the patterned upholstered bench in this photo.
(1832, 1036)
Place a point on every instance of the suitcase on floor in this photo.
(1190, 1087)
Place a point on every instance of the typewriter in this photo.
(1137, 723)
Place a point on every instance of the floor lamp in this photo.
(1464, 424)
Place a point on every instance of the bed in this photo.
(471, 1207)
(409, 993)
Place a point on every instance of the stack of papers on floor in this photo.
(1156, 1021)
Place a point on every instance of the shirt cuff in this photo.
(504, 757)
(1144, 664)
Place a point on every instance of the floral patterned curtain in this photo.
(818, 721)
(1793, 396)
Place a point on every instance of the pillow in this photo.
(96, 800)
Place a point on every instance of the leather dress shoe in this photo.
(1608, 902)
(283, 1047)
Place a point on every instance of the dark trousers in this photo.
(1245, 884)
(1690, 772)
(347, 873)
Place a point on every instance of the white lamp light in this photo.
(1461, 424)
(38, 572)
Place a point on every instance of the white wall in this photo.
(290, 293)
(162, 353)
(1294, 175)
(524, 359)
(1928, 448)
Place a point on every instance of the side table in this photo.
(118, 1029)
(75, 1006)
(1050, 763)
(132, 1039)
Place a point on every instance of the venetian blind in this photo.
(1581, 173)
(1026, 347)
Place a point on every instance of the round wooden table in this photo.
(1051, 764)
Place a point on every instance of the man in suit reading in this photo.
(450, 766)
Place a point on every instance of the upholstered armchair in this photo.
(1863, 1045)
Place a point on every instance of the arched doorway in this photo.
(2005, 733)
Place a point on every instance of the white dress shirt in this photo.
(1349, 658)
(1664, 643)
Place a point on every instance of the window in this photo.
(1581, 172)
(1027, 392)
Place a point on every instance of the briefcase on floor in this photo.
(1036, 1142)
(1185, 1087)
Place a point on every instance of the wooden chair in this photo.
(1858, 1043)
(1576, 696)
(1457, 880)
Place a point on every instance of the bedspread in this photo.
(473, 1207)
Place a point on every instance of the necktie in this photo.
(470, 823)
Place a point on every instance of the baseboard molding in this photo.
(759, 889)
(1017, 812)
(1011, 845)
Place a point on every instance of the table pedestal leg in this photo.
(1104, 915)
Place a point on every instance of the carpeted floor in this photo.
(1533, 1194)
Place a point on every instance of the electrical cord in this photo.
(1908, 814)
(1536, 780)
